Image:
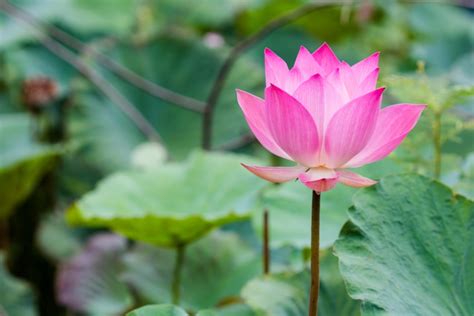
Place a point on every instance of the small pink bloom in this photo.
(326, 116)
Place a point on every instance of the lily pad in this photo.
(286, 294)
(17, 297)
(230, 310)
(174, 204)
(158, 310)
(172, 310)
(23, 162)
(408, 249)
(215, 270)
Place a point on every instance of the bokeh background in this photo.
(89, 88)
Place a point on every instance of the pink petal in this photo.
(366, 66)
(276, 174)
(311, 95)
(354, 180)
(351, 128)
(306, 64)
(254, 111)
(293, 80)
(336, 94)
(393, 125)
(319, 179)
(349, 80)
(369, 83)
(276, 69)
(326, 58)
(292, 126)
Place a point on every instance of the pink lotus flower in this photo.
(326, 116)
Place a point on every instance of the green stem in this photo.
(266, 246)
(178, 267)
(314, 291)
(437, 144)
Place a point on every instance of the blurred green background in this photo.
(91, 88)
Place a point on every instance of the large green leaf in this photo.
(286, 294)
(215, 269)
(408, 249)
(172, 310)
(158, 310)
(83, 16)
(22, 161)
(173, 204)
(17, 299)
(202, 13)
(442, 45)
(187, 66)
(103, 136)
(229, 310)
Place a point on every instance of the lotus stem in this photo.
(178, 267)
(314, 290)
(266, 246)
(437, 144)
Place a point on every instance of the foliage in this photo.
(287, 293)
(407, 251)
(183, 201)
(405, 246)
(206, 278)
(158, 310)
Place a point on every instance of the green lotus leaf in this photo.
(175, 203)
(230, 310)
(23, 162)
(158, 310)
(172, 310)
(215, 270)
(286, 294)
(187, 66)
(408, 249)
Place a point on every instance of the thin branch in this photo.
(239, 49)
(131, 77)
(105, 87)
